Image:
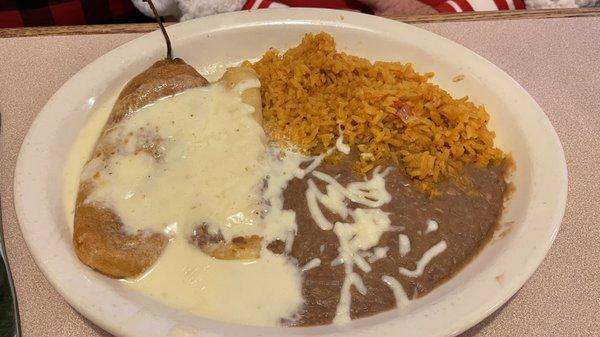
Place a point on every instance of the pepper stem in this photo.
(162, 28)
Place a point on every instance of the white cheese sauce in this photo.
(432, 252)
(396, 287)
(214, 167)
(210, 168)
(333, 200)
(340, 145)
(314, 263)
(378, 254)
(258, 292)
(356, 236)
(432, 226)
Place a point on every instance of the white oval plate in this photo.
(534, 212)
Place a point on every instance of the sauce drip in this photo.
(432, 252)
(356, 236)
(175, 184)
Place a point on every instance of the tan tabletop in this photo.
(556, 60)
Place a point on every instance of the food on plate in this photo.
(309, 187)
(386, 110)
(98, 237)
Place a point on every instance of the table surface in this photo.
(555, 60)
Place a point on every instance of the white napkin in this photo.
(189, 9)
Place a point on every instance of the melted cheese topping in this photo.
(378, 254)
(209, 168)
(432, 252)
(259, 292)
(341, 146)
(403, 244)
(80, 153)
(370, 193)
(314, 263)
(396, 287)
(356, 236)
(333, 200)
(432, 226)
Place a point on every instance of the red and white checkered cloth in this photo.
(19, 13)
(439, 5)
